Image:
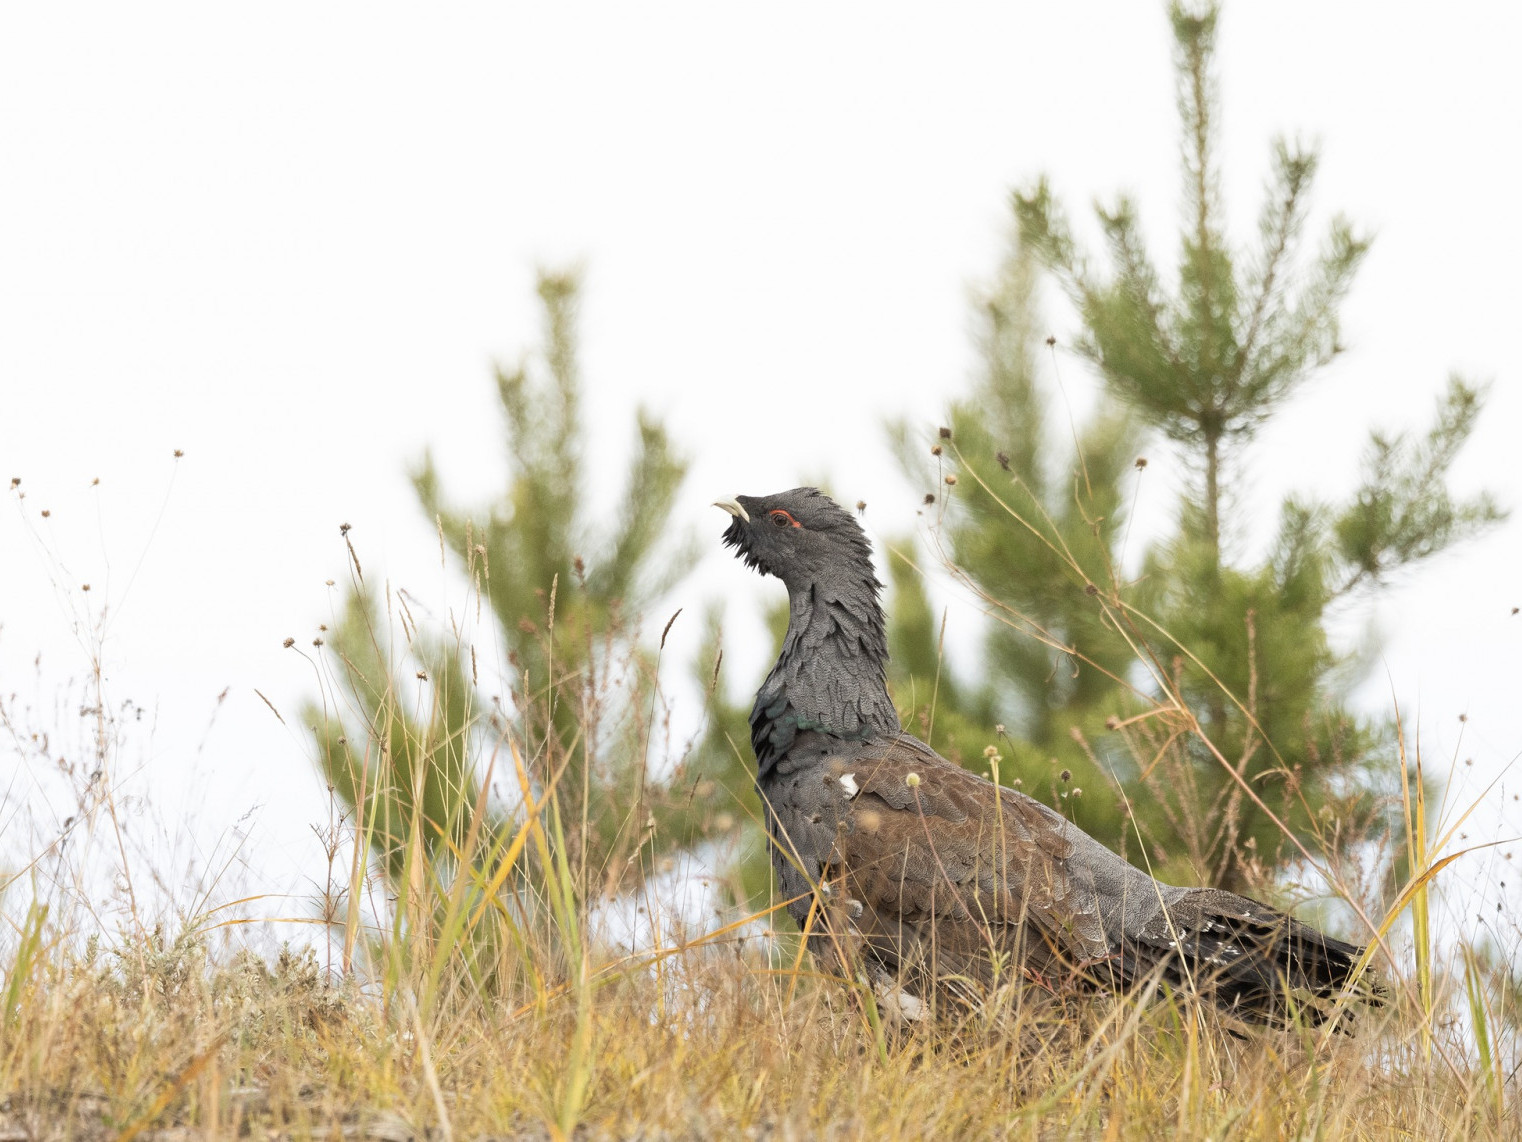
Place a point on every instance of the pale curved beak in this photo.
(733, 508)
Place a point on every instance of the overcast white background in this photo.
(291, 241)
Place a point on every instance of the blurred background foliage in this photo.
(411, 734)
(1040, 526)
(1034, 521)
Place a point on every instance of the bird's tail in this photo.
(1250, 960)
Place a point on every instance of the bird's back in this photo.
(943, 880)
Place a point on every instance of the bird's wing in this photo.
(924, 839)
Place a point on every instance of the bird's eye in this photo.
(782, 519)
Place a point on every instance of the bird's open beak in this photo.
(733, 508)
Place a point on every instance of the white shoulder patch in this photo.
(848, 783)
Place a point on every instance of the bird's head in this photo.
(802, 537)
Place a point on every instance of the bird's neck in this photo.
(831, 676)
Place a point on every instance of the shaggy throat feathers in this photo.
(830, 676)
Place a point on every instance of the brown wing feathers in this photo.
(918, 839)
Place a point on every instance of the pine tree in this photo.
(1205, 365)
(415, 736)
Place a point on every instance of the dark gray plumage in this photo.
(930, 875)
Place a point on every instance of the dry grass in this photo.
(465, 998)
(153, 1036)
(507, 1022)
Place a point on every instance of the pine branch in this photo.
(1403, 512)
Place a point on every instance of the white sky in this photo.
(291, 240)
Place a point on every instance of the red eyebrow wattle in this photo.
(775, 512)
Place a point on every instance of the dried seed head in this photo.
(84, 587)
(991, 751)
(1090, 590)
(15, 481)
(935, 450)
(317, 642)
(950, 480)
(912, 779)
(1003, 459)
(178, 452)
(329, 582)
(288, 643)
(1141, 462)
(999, 728)
(423, 674)
(322, 626)
(929, 497)
(945, 433)
(343, 529)
(861, 506)
(1050, 340)
(1077, 791)
(1112, 723)
(46, 513)
(1065, 776)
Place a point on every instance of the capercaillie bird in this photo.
(925, 875)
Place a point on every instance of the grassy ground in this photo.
(466, 1017)
(154, 1039)
(457, 993)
